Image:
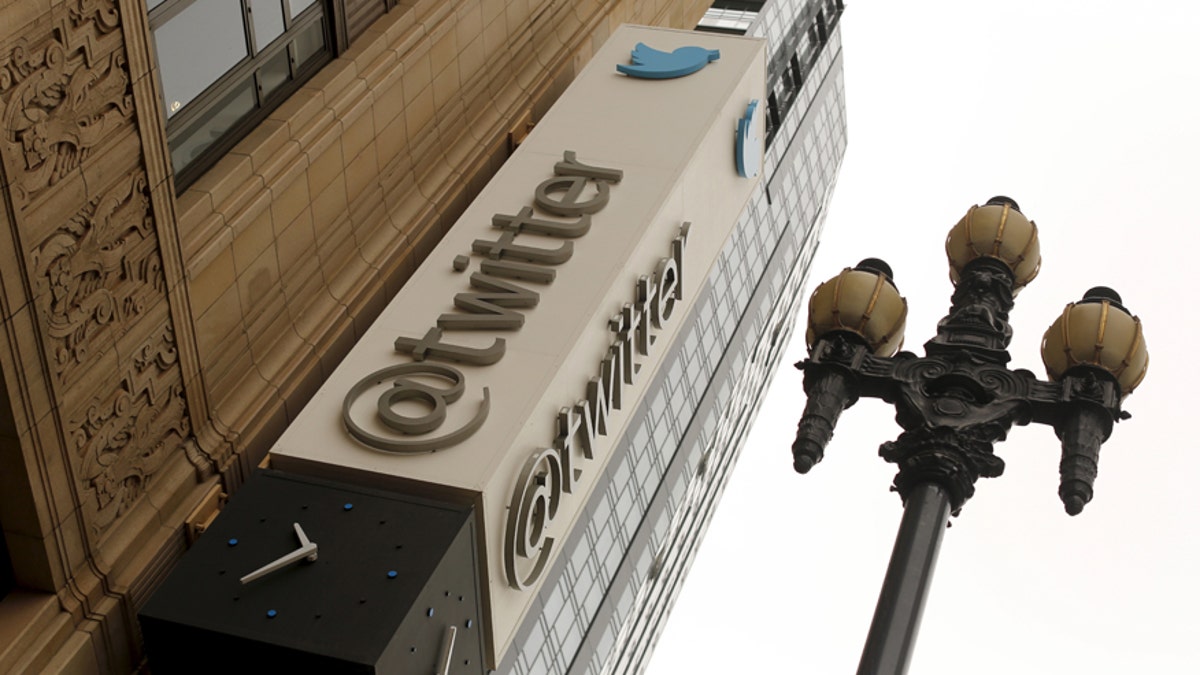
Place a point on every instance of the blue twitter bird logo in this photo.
(746, 147)
(651, 64)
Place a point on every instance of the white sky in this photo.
(1085, 113)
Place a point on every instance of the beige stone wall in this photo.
(152, 345)
(93, 465)
(297, 238)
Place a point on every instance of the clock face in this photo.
(337, 577)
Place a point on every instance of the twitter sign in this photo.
(652, 64)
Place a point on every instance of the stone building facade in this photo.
(165, 316)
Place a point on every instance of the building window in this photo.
(733, 17)
(774, 117)
(225, 64)
(793, 62)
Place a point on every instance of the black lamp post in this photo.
(960, 398)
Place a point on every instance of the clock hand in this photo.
(300, 533)
(447, 651)
(307, 551)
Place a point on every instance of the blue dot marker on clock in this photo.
(233, 542)
(271, 613)
(347, 506)
(391, 574)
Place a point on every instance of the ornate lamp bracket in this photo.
(1090, 403)
(960, 399)
(831, 384)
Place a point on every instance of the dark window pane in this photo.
(267, 16)
(197, 47)
(212, 125)
(299, 6)
(225, 64)
(310, 42)
(273, 73)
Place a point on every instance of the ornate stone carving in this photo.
(62, 96)
(98, 272)
(123, 438)
(95, 268)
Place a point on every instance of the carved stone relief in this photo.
(94, 265)
(122, 439)
(62, 96)
(97, 273)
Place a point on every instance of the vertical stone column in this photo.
(89, 349)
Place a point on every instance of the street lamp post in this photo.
(960, 398)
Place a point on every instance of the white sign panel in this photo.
(502, 371)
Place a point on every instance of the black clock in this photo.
(311, 575)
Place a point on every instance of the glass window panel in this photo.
(196, 47)
(298, 6)
(309, 43)
(151, 4)
(267, 16)
(273, 73)
(207, 130)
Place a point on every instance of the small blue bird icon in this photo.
(651, 64)
(747, 145)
